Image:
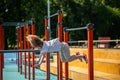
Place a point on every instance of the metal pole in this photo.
(33, 54)
(20, 52)
(90, 53)
(15, 23)
(25, 52)
(1, 67)
(73, 29)
(48, 37)
(2, 36)
(1, 70)
(66, 63)
(49, 27)
(47, 55)
(60, 38)
(53, 15)
(28, 55)
(18, 48)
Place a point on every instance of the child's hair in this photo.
(34, 40)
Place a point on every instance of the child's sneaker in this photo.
(85, 58)
(78, 54)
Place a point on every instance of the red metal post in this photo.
(60, 38)
(18, 32)
(66, 63)
(1, 47)
(20, 52)
(18, 43)
(25, 52)
(2, 34)
(1, 69)
(90, 53)
(28, 55)
(46, 30)
(47, 56)
(33, 54)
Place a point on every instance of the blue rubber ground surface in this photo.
(10, 72)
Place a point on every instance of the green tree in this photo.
(20, 11)
(104, 14)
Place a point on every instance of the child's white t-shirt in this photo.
(53, 45)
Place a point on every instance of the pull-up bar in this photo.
(54, 15)
(73, 29)
(88, 26)
(9, 51)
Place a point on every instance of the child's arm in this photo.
(42, 56)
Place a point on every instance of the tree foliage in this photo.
(104, 14)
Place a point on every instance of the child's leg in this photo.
(74, 57)
(78, 56)
(41, 59)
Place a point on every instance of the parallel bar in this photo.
(15, 23)
(73, 29)
(9, 51)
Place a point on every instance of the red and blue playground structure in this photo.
(26, 28)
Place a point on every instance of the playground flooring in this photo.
(10, 72)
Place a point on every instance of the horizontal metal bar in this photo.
(10, 23)
(53, 15)
(94, 41)
(106, 40)
(74, 29)
(10, 51)
(16, 23)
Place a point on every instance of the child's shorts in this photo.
(65, 52)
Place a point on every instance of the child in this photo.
(53, 46)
